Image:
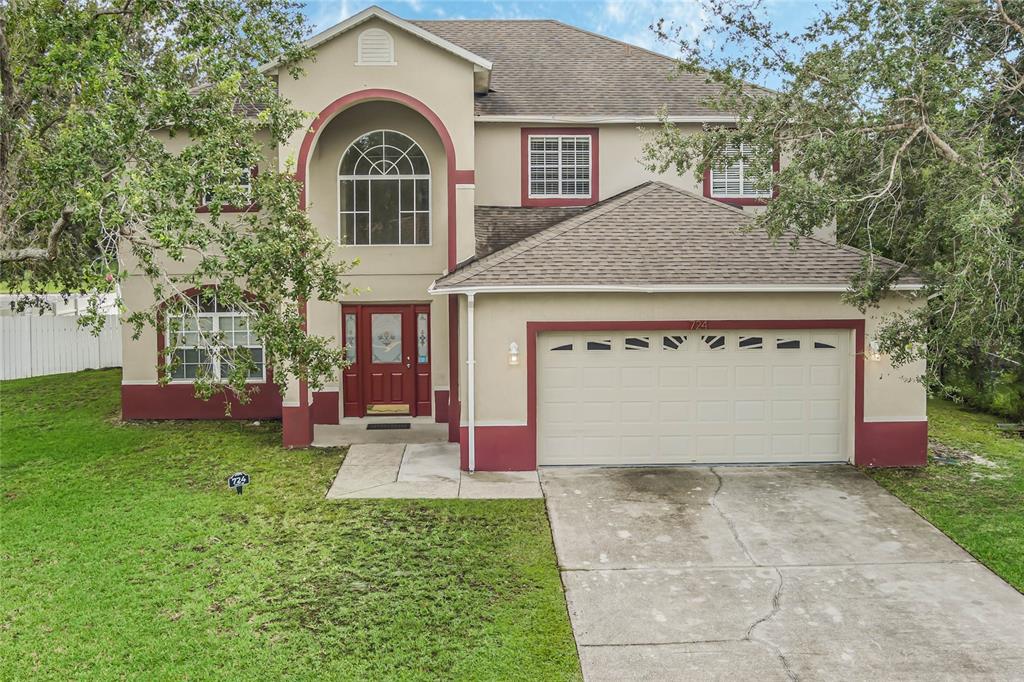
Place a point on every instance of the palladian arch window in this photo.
(384, 191)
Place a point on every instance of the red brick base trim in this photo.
(296, 427)
(892, 444)
(499, 448)
(179, 401)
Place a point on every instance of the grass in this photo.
(978, 505)
(124, 555)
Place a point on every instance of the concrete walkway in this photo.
(770, 573)
(423, 470)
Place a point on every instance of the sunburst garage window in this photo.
(206, 343)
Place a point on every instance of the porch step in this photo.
(353, 431)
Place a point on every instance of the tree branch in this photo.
(36, 253)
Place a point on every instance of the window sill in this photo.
(740, 201)
(190, 382)
(559, 201)
(251, 208)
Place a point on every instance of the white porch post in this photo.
(471, 381)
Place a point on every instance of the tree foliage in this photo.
(117, 119)
(900, 126)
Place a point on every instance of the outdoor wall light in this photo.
(513, 354)
(875, 350)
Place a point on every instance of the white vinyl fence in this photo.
(33, 345)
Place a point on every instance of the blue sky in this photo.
(627, 20)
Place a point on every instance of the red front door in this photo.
(390, 360)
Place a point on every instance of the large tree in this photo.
(117, 119)
(900, 126)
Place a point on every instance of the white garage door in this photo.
(671, 397)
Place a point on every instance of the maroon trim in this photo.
(179, 401)
(419, 379)
(454, 406)
(508, 448)
(227, 208)
(352, 376)
(325, 407)
(892, 444)
(867, 449)
(377, 94)
(440, 406)
(739, 201)
(524, 162)
(296, 427)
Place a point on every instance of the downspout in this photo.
(471, 381)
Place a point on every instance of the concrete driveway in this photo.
(770, 573)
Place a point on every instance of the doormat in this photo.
(385, 426)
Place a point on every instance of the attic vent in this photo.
(376, 48)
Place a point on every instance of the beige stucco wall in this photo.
(322, 193)
(435, 77)
(499, 161)
(890, 394)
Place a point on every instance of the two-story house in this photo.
(527, 280)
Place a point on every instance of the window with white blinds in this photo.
(729, 177)
(560, 166)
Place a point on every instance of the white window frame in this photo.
(560, 165)
(740, 163)
(244, 186)
(369, 194)
(214, 351)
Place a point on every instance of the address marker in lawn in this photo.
(238, 481)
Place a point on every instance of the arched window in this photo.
(384, 191)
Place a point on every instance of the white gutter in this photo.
(669, 289)
(471, 382)
(556, 118)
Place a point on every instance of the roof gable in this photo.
(374, 12)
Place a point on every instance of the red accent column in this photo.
(296, 427)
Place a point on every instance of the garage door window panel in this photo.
(673, 342)
(638, 343)
(713, 341)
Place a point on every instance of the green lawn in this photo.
(124, 555)
(979, 505)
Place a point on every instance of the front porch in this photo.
(355, 430)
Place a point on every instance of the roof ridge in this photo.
(548, 233)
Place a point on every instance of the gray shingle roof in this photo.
(499, 226)
(656, 235)
(545, 67)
